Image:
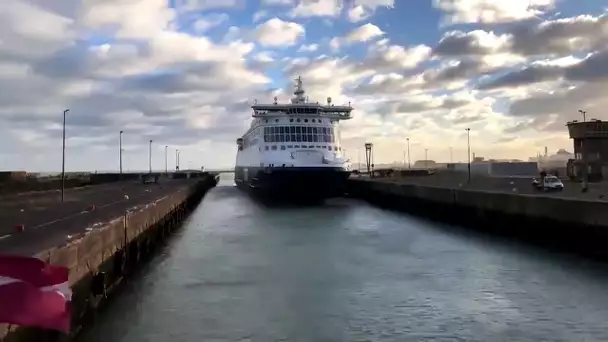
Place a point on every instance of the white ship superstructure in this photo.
(293, 146)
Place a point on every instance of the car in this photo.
(149, 179)
(548, 183)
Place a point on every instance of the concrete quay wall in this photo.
(11, 186)
(577, 225)
(100, 259)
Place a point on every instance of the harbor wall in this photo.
(10, 184)
(101, 259)
(569, 224)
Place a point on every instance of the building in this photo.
(554, 164)
(425, 164)
(590, 140)
(492, 168)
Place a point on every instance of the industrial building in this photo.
(590, 139)
(491, 168)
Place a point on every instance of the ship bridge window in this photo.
(302, 110)
(299, 134)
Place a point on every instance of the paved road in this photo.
(48, 222)
(522, 185)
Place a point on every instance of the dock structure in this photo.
(100, 232)
(570, 219)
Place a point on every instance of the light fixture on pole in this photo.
(63, 157)
(451, 155)
(585, 180)
(150, 155)
(369, 158)
(469, 151)
(409, 165)
(166, 161)
(120, 153)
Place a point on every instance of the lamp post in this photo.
(451, 155)
(409, 165)
(584, 112)
(120, 153)
(585, 175)
(63, 157)
(150, 155)
(166, 161)
(176, 159)
(469, 152)
(369, 158)
(426, 158)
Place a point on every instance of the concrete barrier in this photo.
(101, 257)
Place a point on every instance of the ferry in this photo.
(292, 150)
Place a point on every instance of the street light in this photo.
(63, 157)
(120, 152)
(176, 159)
(166, 167)
(426, 158)
(469, 150)
(451, 155)
(150, 155)
(585, 181)
(409, 165)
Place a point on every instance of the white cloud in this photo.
(125, 18)
(202, 5)
(364, 33)
(357, 13)
(258, 15)
(312, 8)
(276, 32)
(334, 43)
(491, 11)
(264, 57)
(277, 2)
(205, 23)
(308, 48)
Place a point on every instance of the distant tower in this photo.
(546, 154)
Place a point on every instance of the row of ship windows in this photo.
(322, 138)
(298, 129)
(297, 120)
(284, 147)
(299, 134)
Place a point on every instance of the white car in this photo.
(549, 183)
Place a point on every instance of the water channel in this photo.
(347, 271)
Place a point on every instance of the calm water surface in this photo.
(346, 271)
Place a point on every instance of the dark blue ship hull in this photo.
(293, 183)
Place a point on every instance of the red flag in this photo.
(34, 293)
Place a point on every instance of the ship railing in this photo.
(341, 116)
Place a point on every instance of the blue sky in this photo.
(513, 71)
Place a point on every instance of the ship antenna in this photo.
(299, 92)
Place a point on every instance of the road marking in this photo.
(77, 214)
(5, 236)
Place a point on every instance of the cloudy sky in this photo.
(184, 73)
